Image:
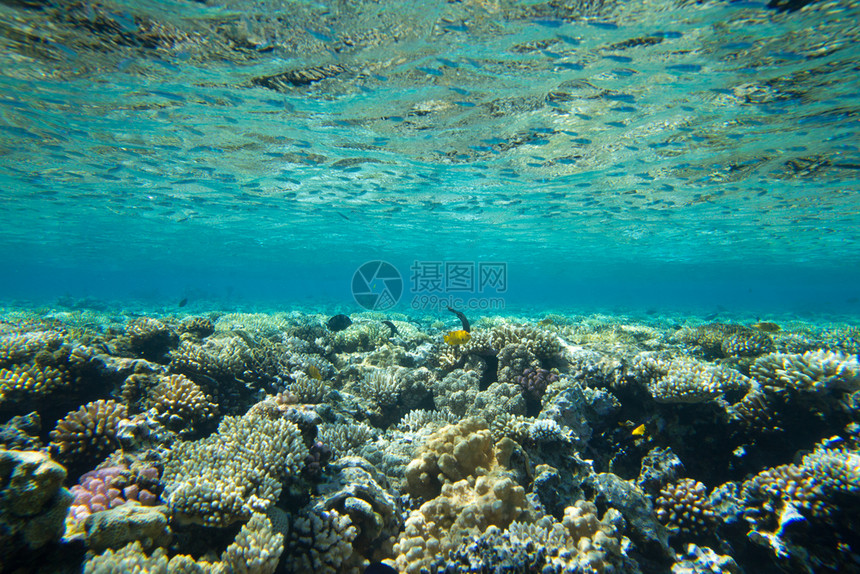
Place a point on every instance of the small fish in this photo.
(183, 302)
(766, 326)
(545, 321)
(462, 318)
(314, 372)
(339, 322)
(391, 326)
(459, 337)
(379, 568)
(639, 431)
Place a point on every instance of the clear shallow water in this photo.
(636, 153)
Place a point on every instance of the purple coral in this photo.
(104, 488)
(534, 382)
(320, 455)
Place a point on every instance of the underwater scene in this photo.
(436, 287)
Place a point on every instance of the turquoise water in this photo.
(643, 154)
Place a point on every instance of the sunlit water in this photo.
(645, 153)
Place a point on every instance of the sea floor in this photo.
(192, 440)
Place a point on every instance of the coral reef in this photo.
(256, 443)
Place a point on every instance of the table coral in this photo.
(234, 472)
(199, 327)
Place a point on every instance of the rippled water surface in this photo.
(168, 144)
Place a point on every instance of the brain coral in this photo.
(230, 474)
(89, 432)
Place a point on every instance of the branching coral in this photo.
(683, 507)
(181, 405)
(812, 371)
(685, 380)
(239, 470)
(322, 542)
(89, 432)
(256, 549)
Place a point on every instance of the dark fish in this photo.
(379, 568)
(183, 302)
(392, 327)
(462, 318)
(339, 322)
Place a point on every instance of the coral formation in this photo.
(89, 432)
(684, 507)
(181, 405)
(109, 487)
(683, 380)
(234, 472)
(812, 371)
(126, 523)
(322, 542)
(33, 502)
(256, 549)
(554, 447)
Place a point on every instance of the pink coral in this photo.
(109, 487)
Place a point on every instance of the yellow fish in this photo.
(639, 431)
(454, 338)
(766, 326)
(314, 372)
